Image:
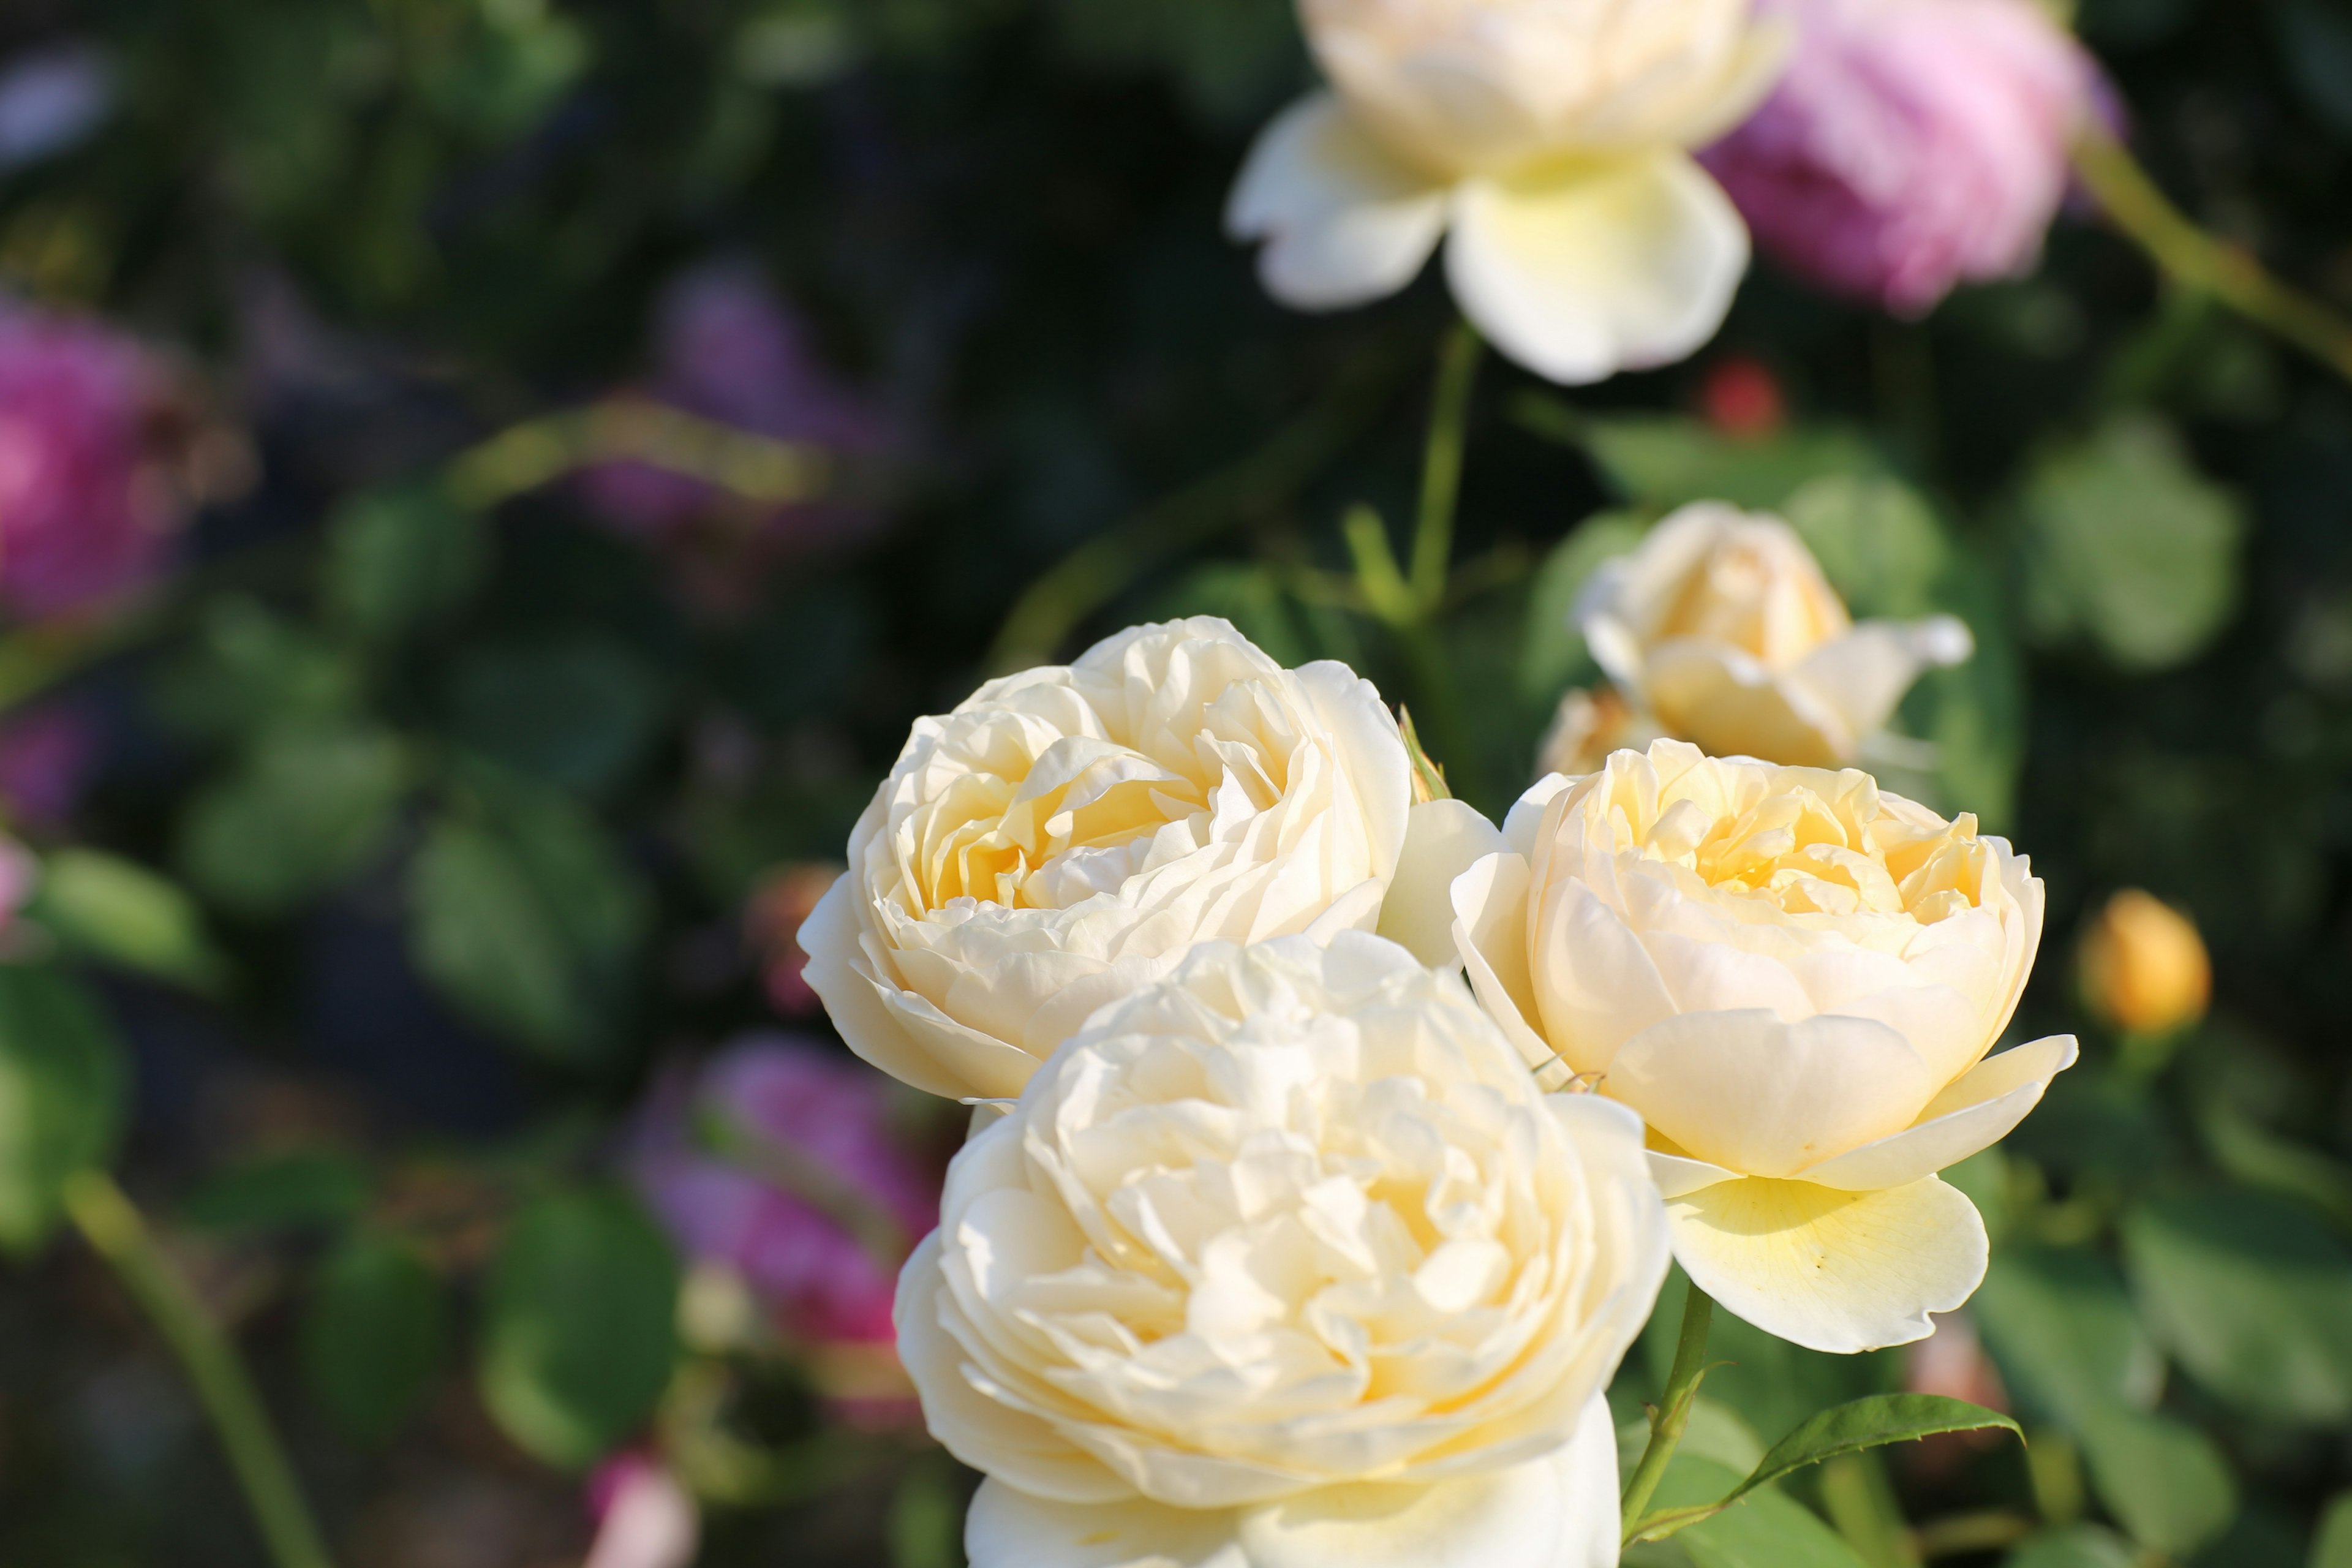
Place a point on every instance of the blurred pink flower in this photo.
(87, 494)
(643, 1518)
(812, 1200)
(44, 760)
(1912, 144)
(727, 348)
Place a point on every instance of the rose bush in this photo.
(1287, 1262)
(1723, 628)
(1066, 834)
(1547, 137)
(1796, 978)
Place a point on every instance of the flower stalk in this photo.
(1441, 470)
(2200, 261)
(116, 1231)
(1672, 1413)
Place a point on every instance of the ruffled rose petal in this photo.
(1345, 221)
(1586, 271)
(1831, 1270)
(1558, 1511)
(1974, 1113)
(1442, 838)
(857, 1001)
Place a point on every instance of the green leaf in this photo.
(374, 1335)
(399, 560)
(1869, 1423)
(296, 1189)
(2126, 544)
(1764, 1529)
(1552, 656)
(63, 1086)
(577, 713)
(117, 911)
(1661, 461)
(578, 1326)
(1879, 542)
(249, 670)
(310, 806)
(2332, 1546)
(2253, 1295)
(526, 921)
(2080, 1546)
(2063, 1333)
(2165, 1481)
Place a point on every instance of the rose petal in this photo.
(1831, 1270)
(1443, 839)
(1974, 1113)
(1344, 220)
(1579, 276)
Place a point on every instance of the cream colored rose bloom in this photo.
(1547, 138)
(1288, 1263)
(1067, 834)
(1724, 626)
(1796, 979)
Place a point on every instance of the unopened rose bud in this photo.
(2144, 968)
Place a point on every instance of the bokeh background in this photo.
(437, 681)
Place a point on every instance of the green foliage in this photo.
(1764, 1529)
(2253, 1296)
(1552, 654)
(2066, 1335)
(298, 1189)
(308, 806)
(1662, 461)
(2167, 1483)
(374, 1333)
(2332, 1547)
(117, 911)
(2080, 1546)
(576, 714)
(62, 1091)
(1869, 1423)
(578, 1326)
(2125, 544)
(523, 913)
(398, 560)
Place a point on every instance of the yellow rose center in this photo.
(1805, 852)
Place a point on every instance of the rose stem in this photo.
(2199, 260)
(115, 1231)
(1441, 466)
(1672, 1412)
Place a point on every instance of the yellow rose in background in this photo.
(1067, 834)
(1722, 624)
(2144, 968)
(1547, 138)
(1288, 1263)
(1796, 979)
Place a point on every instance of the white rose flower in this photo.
(1725, 628)
(1288, 1263)
(1067, 834)
(1796, 979)
(1549, 137)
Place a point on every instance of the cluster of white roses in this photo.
(1293, 1250)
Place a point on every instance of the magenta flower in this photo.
(87, 500)
(1912, 145)
(778, 1161)
(728, 349)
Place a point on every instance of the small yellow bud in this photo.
(2144, 969)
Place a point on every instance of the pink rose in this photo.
(778, 1160)
(1912, 145)
(87, 500)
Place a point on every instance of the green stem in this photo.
(1672, 1413)
(1101, 569)
(2199, 260)
(117, 1234)
(1441, 469)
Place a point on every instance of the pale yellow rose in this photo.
(1724, 626)
(1795, 978)
(1549, 138)
(1288, 1263)
(1067, 834)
